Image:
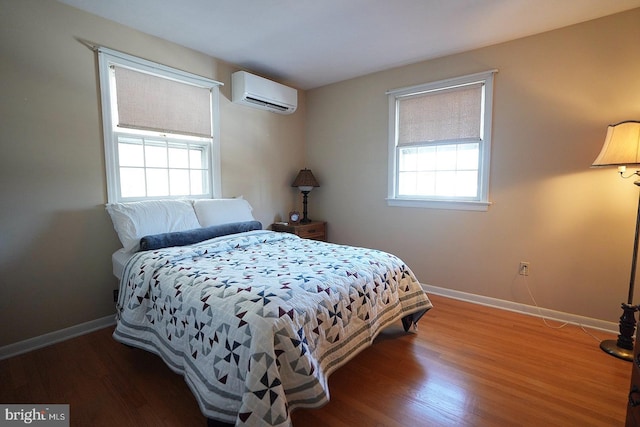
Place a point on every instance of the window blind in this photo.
(149, 102)
(452, 114)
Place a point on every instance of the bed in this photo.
(255, 320)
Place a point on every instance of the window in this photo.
(440, 142)
(161, 132)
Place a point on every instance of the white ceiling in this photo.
(311, 43)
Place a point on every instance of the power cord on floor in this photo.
(545, 320)
(535, 303)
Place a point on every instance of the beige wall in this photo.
(554, 96)
(555, 93)
(55, 238)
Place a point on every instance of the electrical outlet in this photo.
(523, 270)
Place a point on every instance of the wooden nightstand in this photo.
(314, 230)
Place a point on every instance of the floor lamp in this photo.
(622, 148)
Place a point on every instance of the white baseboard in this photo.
(525, 309)
(55, 337)
(93, 325)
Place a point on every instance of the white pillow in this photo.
(134, 220)
(222, 211)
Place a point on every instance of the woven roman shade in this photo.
(149, 102)
(451, 114)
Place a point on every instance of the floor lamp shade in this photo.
(622, 148)
(621, 145)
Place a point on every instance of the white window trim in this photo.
(108, 57)
(436, 203)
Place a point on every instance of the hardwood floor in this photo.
(467, 365)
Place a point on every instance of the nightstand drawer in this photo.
(316, 230)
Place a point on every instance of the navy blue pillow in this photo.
(189, 237)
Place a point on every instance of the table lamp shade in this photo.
(305, 180)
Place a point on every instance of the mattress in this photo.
(119, 260)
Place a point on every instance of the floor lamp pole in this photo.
(623, 347)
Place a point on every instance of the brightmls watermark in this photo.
(34, 415)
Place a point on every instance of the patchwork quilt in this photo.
(256, 322)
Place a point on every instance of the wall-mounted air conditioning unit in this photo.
(256, 91)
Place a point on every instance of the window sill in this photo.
(441, 204)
